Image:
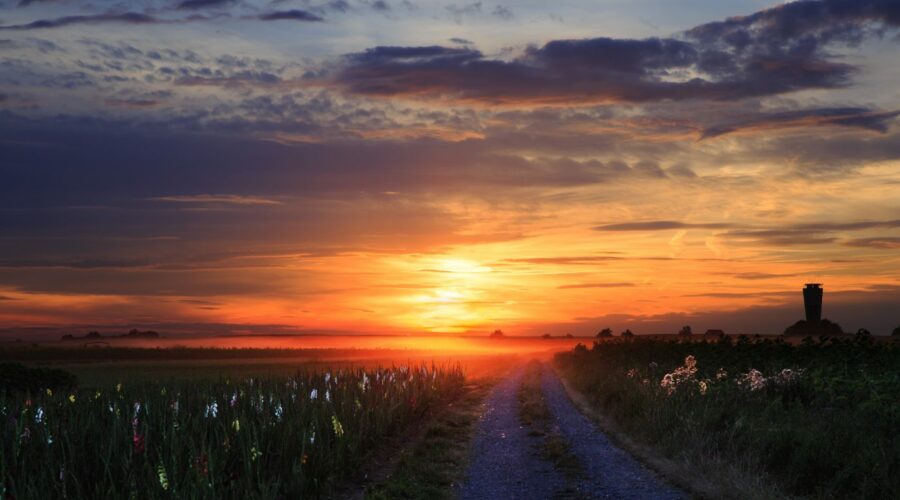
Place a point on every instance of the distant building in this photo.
(812, 302)
(814, 324)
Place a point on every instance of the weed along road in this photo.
(533, 443)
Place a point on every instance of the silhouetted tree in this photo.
(863, 333)
(606, 332)
(15, 377)
(896, 332)
(685, 331)
(714, 334)
(92, 335)
(546, 336)
(498, 334)
(627, 333)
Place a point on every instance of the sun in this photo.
(455, 302)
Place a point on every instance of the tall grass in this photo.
(819, 418)
(275, 437)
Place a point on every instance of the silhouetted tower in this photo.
(812, 302)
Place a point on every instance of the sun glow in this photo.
(456, 303)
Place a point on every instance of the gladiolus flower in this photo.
(163, 477)
(138, 443)
(336, 424)
(201, 465)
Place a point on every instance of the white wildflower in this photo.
(680, 375)
(279, 411)
(753, 379)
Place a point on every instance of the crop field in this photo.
(818, 419)
(272, 436)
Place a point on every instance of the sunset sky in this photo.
(394, 166)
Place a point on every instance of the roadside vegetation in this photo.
(816, 420)
(433, 463)
(269, 437)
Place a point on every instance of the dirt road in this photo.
(505, 463)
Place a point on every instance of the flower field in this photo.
(273, 437)
(817, 420)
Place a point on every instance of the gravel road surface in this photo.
(611, 472)
(505, 463)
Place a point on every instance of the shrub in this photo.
(18, 378)
(819, 418)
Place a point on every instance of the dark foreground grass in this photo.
(755, 419)
(433, 463)
(265, 437)
(537, 416)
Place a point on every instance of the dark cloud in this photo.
(578, 260)
(661, 225)
(863, 118)
(135, 103)
(458, 12)
(290, 15)
(817, 155)
(772, 52)
(760, 276)
(109, 18)
(233, 79)
(116, 179)
(597, 285)
(203, 4)
(881, 243)
(798, 231)
(23, 3)
(338, 6)
(503, 12)
(782, 236)
(847, 226)
(566, 260)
